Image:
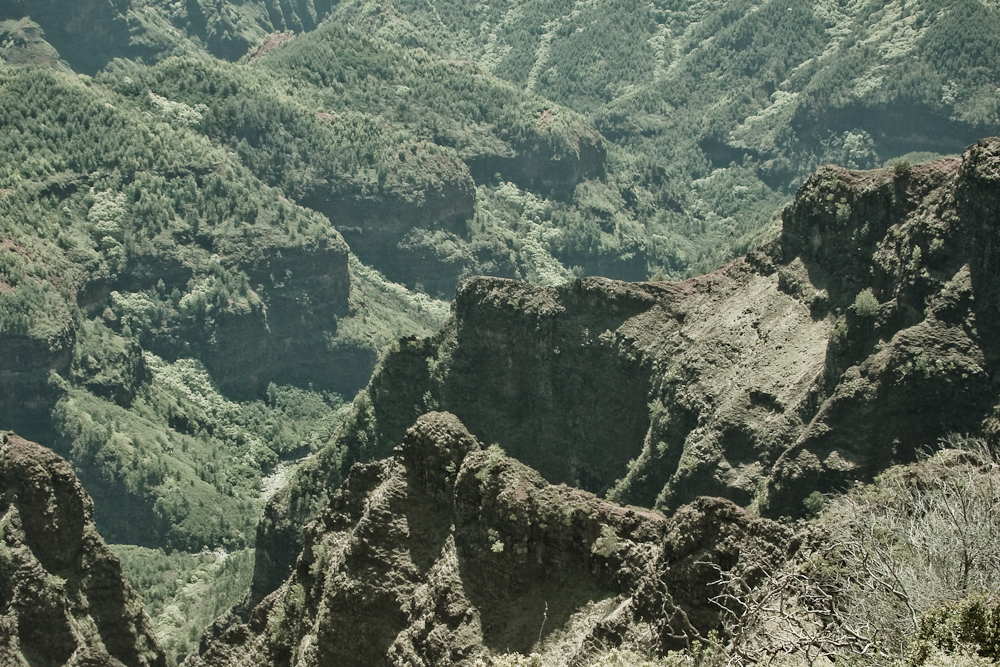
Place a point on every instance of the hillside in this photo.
(446, 553)
(718, 110)
(713, 112)
(859, 337)
(219, 217)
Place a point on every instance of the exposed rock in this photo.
(918, 367)
(445, 553)
(228, 30)
(63, 600)
(539, 165)
(376, 226)
(672, 601)
(777, 376)
(280, 332)
(652, 392)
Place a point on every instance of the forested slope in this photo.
(217, 217)
(717, 110)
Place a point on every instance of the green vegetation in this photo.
(383, 311)
(186, 464)
(967, 626)
(96, 196)
(184, 592)
(746, 102)
(300, 118)
(690, 90)
(865, 304)
(173, 278)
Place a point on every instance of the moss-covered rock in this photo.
(62, 596)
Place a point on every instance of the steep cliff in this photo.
(73, 27)
(63, 600)
(445, 553)
(542, 166)
(25, 391)
(862, 334)
(283, 336)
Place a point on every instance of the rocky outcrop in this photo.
(916, 362)
(277, 331)
(227, 30)
(864, 333)
(74, 27)
(649, 392)
(445, 553)
(63, 600)
(375, 226)
(283, 336)
(532, 359)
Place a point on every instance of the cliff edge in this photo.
(864, 333)
(446, 553)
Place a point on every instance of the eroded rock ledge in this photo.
(863, 334)
(446, 552)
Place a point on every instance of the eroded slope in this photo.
(862, 334)
(445, 553)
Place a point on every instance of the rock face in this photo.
(539, 165)
(284, 339)
(63, 600)
(446, 552)
(918, 361)
(865, 332)
(226, 29)
(74, 27)
(376, 226)
(25, 364)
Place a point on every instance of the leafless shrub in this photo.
(876, 559)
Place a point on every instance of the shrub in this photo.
(890, 561)
(814, 504)
(971, 625)
(865, 304)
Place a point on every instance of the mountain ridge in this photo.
(444, 553)
(820, 359)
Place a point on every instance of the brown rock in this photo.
(62, 596)
(446, 553)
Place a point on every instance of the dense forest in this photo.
(217, 218)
